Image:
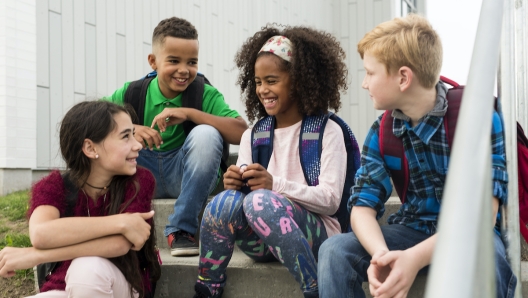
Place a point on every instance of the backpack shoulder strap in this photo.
(391, 150)
(192, 97)
(454, 99)
(262, 141)
(135, 97)
(311, 146)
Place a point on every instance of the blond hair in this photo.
(409, 41)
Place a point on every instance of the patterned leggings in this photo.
(266, 226)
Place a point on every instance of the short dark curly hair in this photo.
(174, 27)
(317, 69)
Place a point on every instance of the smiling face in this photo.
(176, 61)
(118, 151)
(383, 87)
(273, 88)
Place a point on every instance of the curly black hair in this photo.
(317, 69)
(173, 27)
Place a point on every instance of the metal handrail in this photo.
(463, 257)
(508, 94)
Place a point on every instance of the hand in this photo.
(169, 117)
(17, 258)
(136, 229)
(392, 274)
(145, 134)
(258, 177)
(233, 177)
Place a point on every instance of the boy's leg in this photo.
(152, 161)
(292, 233)
(191, 176)
(223, 223)
(506, 280)
(343, 262)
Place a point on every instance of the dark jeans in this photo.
(343, 262)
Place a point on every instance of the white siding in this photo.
(18, 84)
(89, 48)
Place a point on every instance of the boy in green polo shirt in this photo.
(185, 166)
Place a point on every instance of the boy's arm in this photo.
(231, 129)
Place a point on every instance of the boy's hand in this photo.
(233, 177)
(16, 258)
(169, 117)
(136, 229)
(392, 274)
(258, 177)
(147, 136)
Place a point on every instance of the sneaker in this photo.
(202, 291)
(183, 244)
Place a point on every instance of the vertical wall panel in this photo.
(90, 61)
(43, 125)
(67, 56)
(89, 10)
(56, 99)
(120, 16)
(129, 34)
(78, 48)
(43, 58)
(101, 47)
(111, 63)
(120, 61)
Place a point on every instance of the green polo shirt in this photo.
(174, 136)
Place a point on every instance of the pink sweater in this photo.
(50, 191)
(288, 177)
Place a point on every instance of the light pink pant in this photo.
(92, 277)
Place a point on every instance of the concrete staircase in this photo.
(245, 277)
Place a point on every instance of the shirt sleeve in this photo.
(118, 97)
(214, 103)
(48, 191)
(372, 186)
(326, 196)
(498, 171)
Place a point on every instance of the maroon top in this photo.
(51, 191)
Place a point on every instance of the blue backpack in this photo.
(310, 147)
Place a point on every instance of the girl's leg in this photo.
(96, 277)
(51, 294)
(223, 222)
(292, 233)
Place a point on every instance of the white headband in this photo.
(280, 46)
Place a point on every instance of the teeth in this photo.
(181, 80)
(269, 100)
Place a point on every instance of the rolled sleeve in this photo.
(498, 171)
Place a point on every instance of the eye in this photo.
(258, 83)
(193, 62)
(173, 61)
(271, 82)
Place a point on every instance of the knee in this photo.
(224, 205)
(205, 135)
(260, 200)
(336, 248)
(86, 269)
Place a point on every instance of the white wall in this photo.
(17, 84)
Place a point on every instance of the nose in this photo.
(137, 145)
(364, 84)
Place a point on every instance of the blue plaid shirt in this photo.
(427, 152)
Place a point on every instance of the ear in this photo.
(89, 149)
(405, 78)
(152, 61)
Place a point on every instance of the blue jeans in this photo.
(343, 262)
(188, 173)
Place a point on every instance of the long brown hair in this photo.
(94, 120)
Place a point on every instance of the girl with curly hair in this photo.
(271, 212)
(94, 219)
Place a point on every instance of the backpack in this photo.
(310, 148)
(392, 147)
(192, 97)
(46, 269)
